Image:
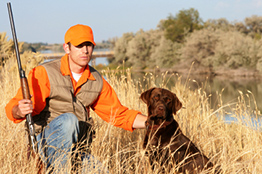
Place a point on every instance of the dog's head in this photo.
(161, 103)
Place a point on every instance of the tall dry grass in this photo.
(235, 147)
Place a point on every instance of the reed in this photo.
(235, 147)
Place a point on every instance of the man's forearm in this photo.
(139, 122)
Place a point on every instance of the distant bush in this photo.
(259, 65)
(200, 46)
(254, 26)
(166, 54)
(121, 46)
(236, 50)
(221, 24)
(141, 47)
(218, 48)
(6, 48)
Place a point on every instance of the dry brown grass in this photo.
(236, 147)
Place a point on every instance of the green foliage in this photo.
(236, 50)
(166, 54)
(141, 47)
(221, 24)
(217, 48)
(200, 46)
(121, 46)
(138, 50)
(259, 65)
(254, 24)
(254, 27)
(177, 27)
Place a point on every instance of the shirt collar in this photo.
(65, 70)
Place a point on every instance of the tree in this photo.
(120, 48)
(165, 55)
(141, 47)
(221, 24)
(176, 27)
(138, 50)
(254, 26)
(200, 46)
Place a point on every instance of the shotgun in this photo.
(24, 83)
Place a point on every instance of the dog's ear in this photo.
(176, 104)
(145, 96)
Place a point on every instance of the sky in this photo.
(47, 20)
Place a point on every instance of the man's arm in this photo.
(139, 122)
(109, 108)
(39, 85)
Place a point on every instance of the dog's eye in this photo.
(167, 99)
(156, 97)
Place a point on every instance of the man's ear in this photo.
(145, 96)
(66, 48)
(176, 104)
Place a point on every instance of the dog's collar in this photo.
(162, 125)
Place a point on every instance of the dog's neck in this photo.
(163, 125)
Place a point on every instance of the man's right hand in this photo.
(24, 107)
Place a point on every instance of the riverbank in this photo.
(221, 73)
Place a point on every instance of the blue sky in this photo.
(48, 20)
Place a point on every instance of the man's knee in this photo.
(69, 119)
(69, 122)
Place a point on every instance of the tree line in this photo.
(180, 40)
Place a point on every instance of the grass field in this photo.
(236, 147)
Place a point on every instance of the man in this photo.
(62, 92)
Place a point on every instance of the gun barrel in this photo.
(14, 35)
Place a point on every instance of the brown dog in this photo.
(164, 141)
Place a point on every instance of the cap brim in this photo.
(79, 41)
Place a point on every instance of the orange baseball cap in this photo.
(78, 34)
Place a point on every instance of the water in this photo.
(228, 90)
(100, 60)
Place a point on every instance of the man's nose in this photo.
(85, 49)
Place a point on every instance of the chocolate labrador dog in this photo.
(164, 141)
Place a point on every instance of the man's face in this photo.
(79, 56)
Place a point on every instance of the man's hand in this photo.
(23, 108)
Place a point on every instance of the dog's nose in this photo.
(161, 108)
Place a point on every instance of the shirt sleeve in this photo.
(109, 108)
(39, 87)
